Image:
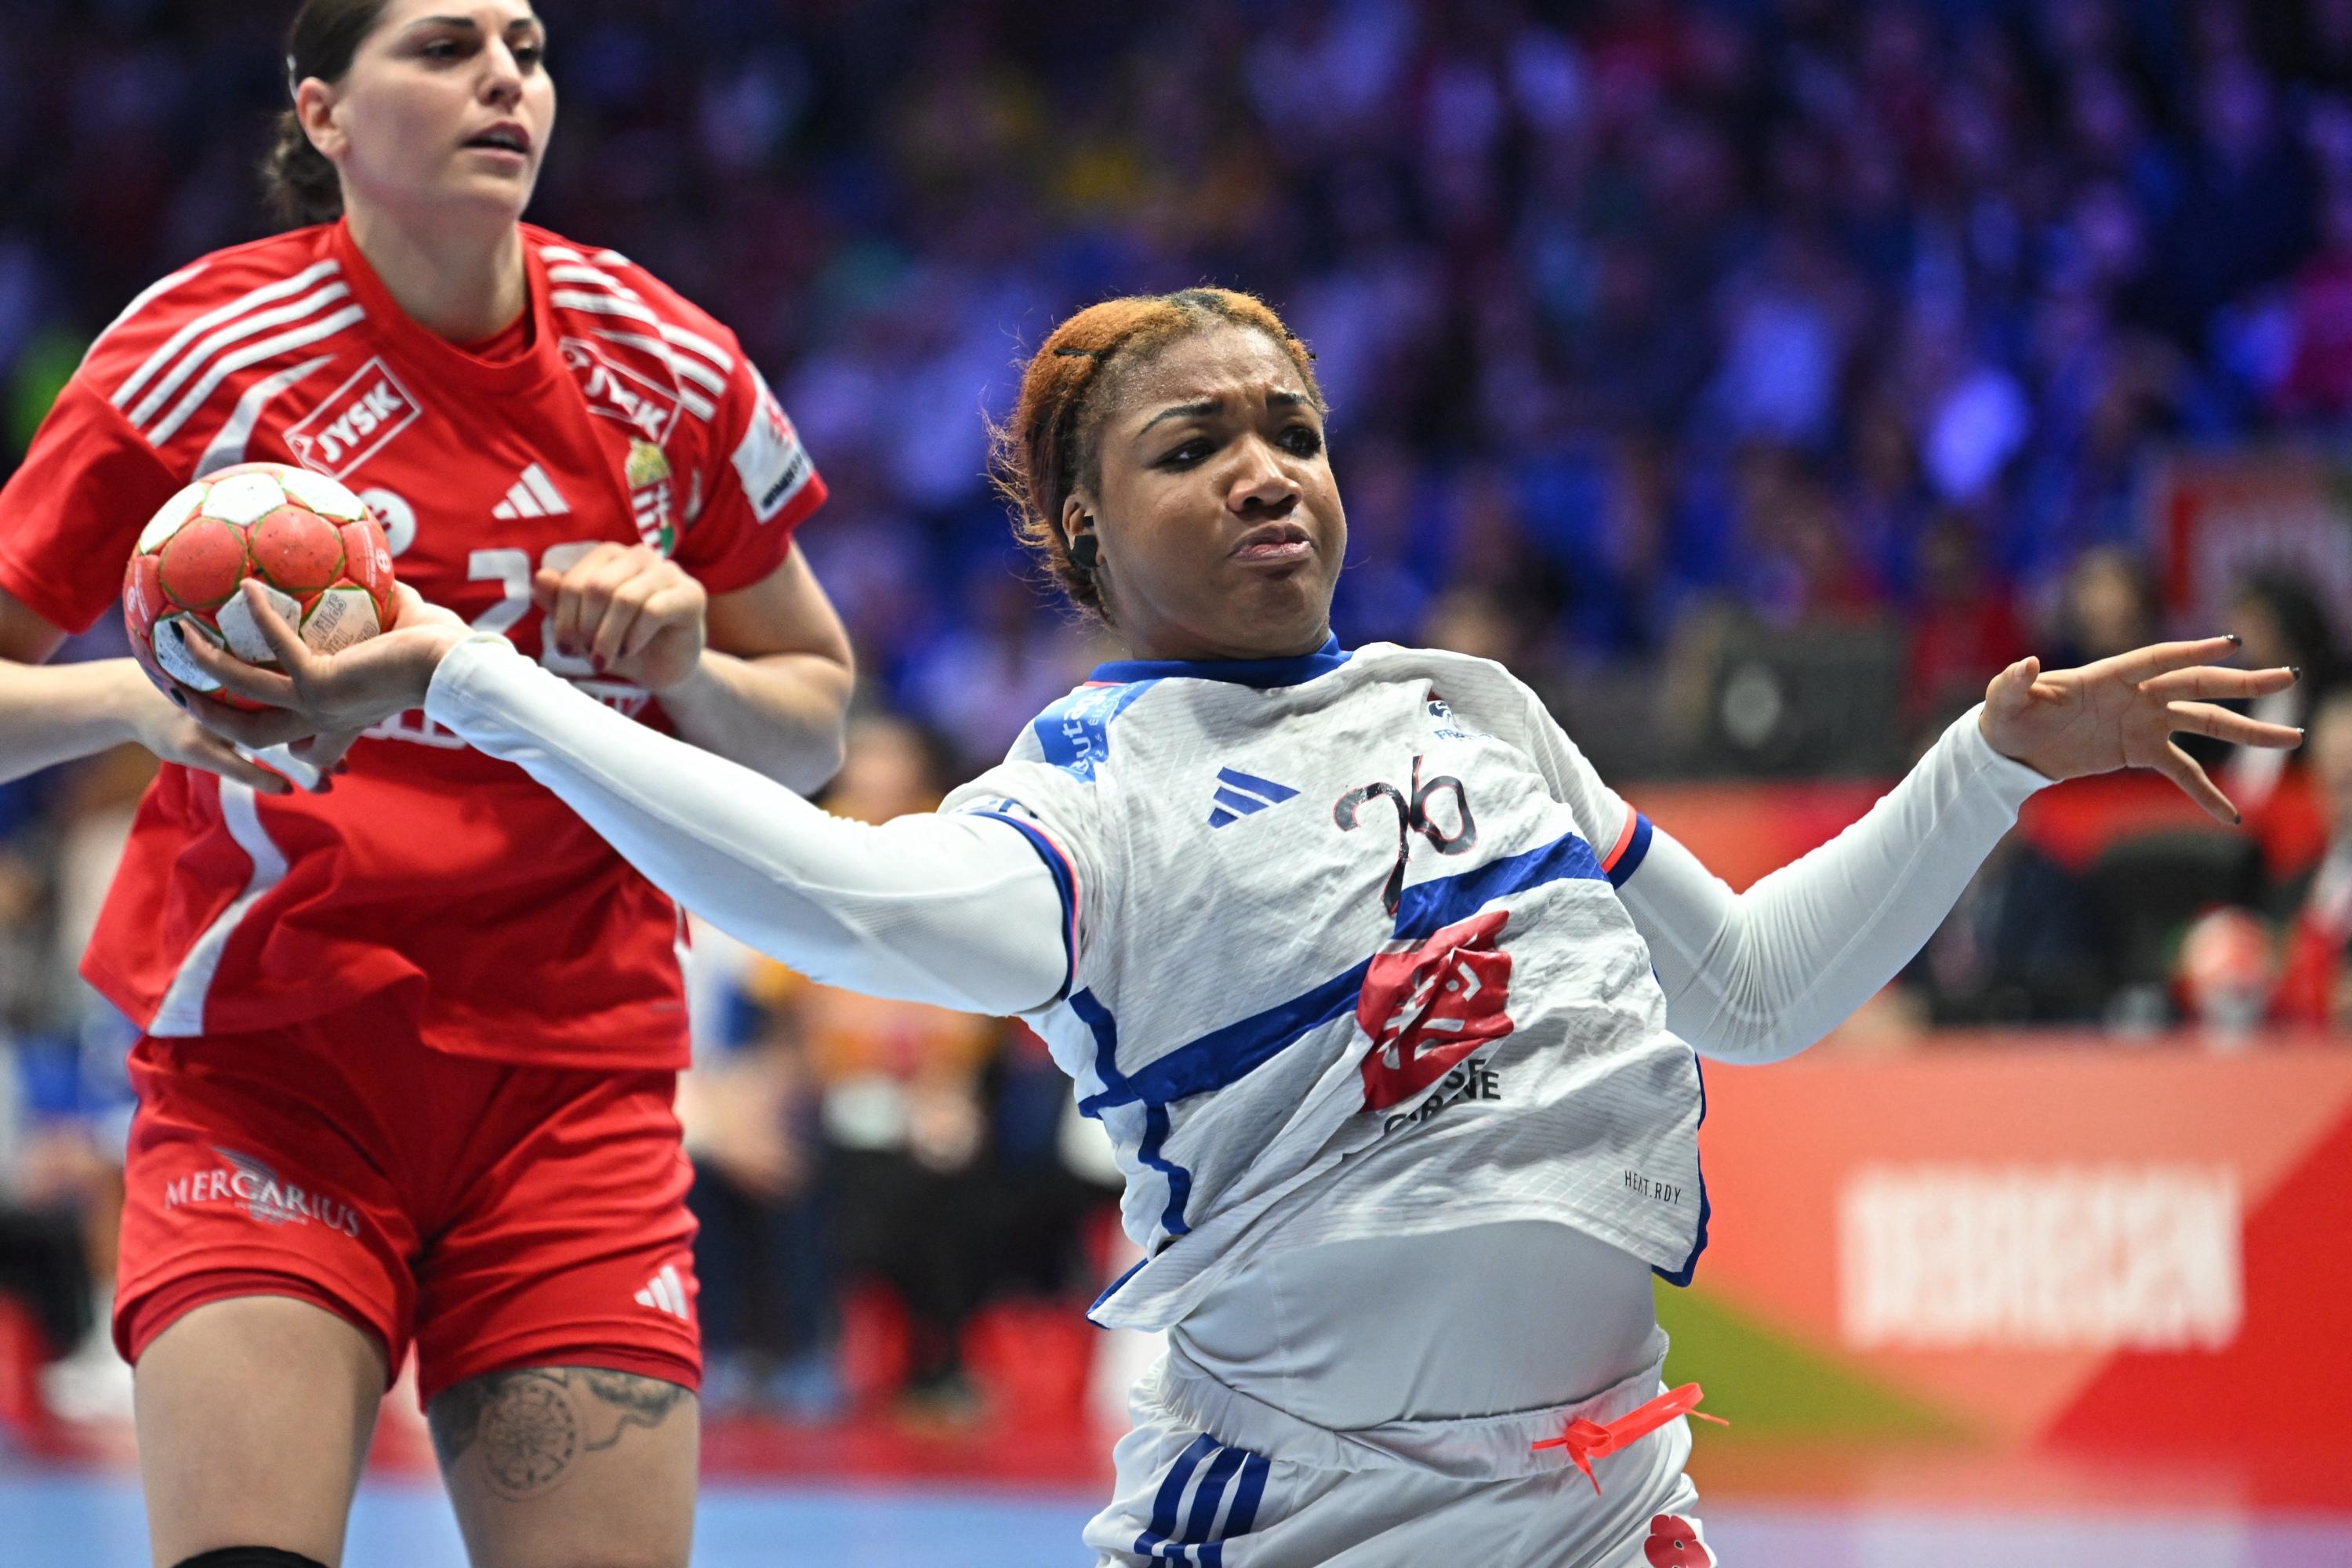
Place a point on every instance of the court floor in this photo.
(53, 1518)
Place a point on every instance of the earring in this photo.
(1084, 552)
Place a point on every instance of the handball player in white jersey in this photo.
(1391, 1007)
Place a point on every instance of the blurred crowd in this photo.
(1754, 377)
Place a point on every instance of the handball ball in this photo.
(311, 542)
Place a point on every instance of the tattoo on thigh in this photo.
(642, 1401)
(531, 1424)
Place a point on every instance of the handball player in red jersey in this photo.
(410, 1034)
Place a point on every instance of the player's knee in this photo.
(250, 1557)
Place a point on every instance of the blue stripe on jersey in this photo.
(1200, 1525)
(1075, 732)
(1636, 848)
(1218, 1059)
(1255, 1468)
(1118, 1091)
(1272, 791)
(1689, 1270)
(1105, 1030)
(1426, 908)
(1180, 1179)
(1259, 672)
(1130, 1272)
(1224, 1055)
(1172, 1494)
(1063, 885)
(1255, 1472)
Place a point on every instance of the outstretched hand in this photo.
(324, 698)
(174, 737)
(2122, 712)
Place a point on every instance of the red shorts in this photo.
(494, 1215)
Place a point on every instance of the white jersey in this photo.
(1334, 948)
(1346, 953)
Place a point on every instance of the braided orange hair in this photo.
(1047, 449)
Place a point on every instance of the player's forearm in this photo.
(1760, 975)
(51, 714)
(955, 910)
(780, 715)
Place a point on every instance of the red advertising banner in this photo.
(2038, 1242)
(2216, 517)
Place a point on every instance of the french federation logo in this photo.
(1239, 794)
(1429, 1004)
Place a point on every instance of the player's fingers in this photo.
(2204, 718)
(2182, 769)
(673, 606)
(562, 613)
(408, 606)
(235, 675)
(295, 657)
(324, 752)
(555, 593)
(597, 584)
(600, 582)
(2012, 689)
(255, 731)
(589, 561)
(209, 751)
(2158, 659)
(614, 629)
(570, 622)
(2209, 683)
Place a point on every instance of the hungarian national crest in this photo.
(650, 495)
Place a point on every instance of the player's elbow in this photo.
(1752, 1044)
(1735, 1013)
(817, 757)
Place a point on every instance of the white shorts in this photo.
(1213, 1478)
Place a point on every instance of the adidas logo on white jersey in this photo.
(664, 1292)
(533, 495)
(1240, 794)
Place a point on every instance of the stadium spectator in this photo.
(2283, 621)
(2317, 988)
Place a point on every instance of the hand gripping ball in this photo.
(311, 542)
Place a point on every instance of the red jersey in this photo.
(621, 412)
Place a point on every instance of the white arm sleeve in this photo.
(1760, 975)
(955, 911)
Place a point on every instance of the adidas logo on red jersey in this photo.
(666, 1292)
(533, 495)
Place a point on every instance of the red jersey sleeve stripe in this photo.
(578, 273)
(693, 402)
(719, 357)
(189, 334)
(1625, 837)
(270, 348)
(694, 370)
(603, 304)
(1633, 847)
(237, 331)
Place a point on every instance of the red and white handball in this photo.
(307, 539)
